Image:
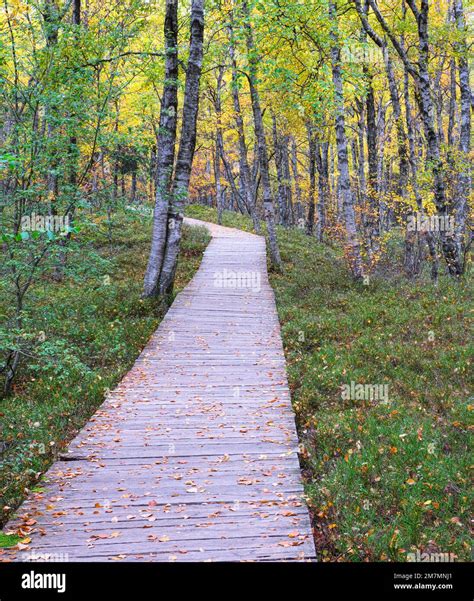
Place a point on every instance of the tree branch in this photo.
(396, 44)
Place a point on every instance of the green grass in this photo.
(95, 325)
(9, 540)
(382, 478)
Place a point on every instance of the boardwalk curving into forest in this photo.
(193, 456)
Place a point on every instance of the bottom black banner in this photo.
(239, 582)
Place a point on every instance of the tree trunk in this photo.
(312, 147)
(186, 149)
(237, 198)
(353, 246)
(401, 134)
(73, 152)
(217, 177)
(282, 187)
(464, 177)
(245, 175)
(380, 185)
(285, 156)
(134, 187)
(261, 140)
(452, 102)
(296, 177)
(433, 155)
(372, 179)
(165, 151)
(413, 254)
(412, 246)
(322, 165)
(361, 163)
(219, 145)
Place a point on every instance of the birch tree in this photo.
(172, 188)
(187, 145)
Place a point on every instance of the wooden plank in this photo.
(194, 456)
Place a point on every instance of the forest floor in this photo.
(96, 325)
(390, 477)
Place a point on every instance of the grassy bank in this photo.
(383, 477)
(91, 327)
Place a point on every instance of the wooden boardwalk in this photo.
(193, 457)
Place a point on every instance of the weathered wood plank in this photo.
(193, 457)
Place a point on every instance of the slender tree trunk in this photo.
(217, 177)
(186, 149)
(51, 22)
(221, 156)
(372, 161)
(401, 134)
(219, 145)
(439, 106)
(261, 140)
(245, 175)
(152, 173)
(412, 246)
(285, 156)
(464, 177)
(414, 265)
(353, 246)
(282, 192)
(322, 165)
(208, 178)
(361, 162)
(433, 155)
(237, 198)
(312, 147)
(134, 187)
(296, 177)
(73, 160)
(334, 184)
(115, 167)
(452, 102)
(166, 144)
(371, 137)
(380, 186)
